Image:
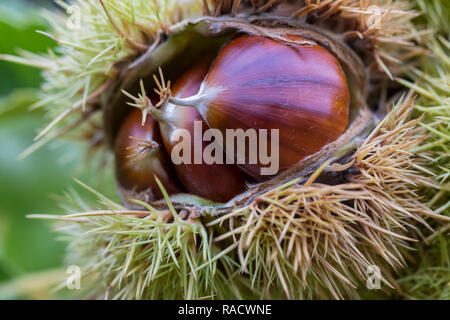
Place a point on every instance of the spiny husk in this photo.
(434, 103)
(370, 217)
(310, 240)
(429, 270)
(298, 234)
(431, 279)
(143, 254)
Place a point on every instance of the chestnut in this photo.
(140, 156)
(213, 181)
(260, 83)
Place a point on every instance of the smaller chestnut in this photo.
(216, 181)
(140, 156)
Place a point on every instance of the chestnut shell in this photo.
(299, 90)
(137, 175)
(217, 182)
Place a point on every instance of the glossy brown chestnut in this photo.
(260, 83)
(217, 182)
(136, 166)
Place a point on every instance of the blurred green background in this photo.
(29, 253)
